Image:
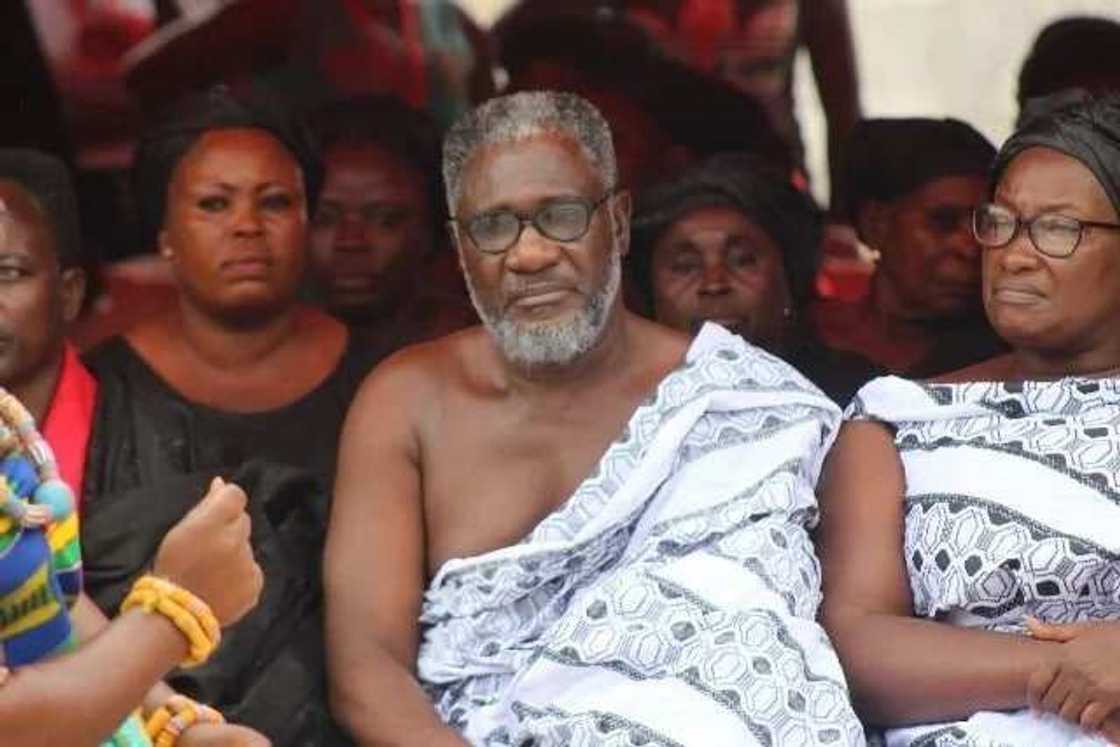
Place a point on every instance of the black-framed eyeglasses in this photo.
(559, 219)
(1052, 234)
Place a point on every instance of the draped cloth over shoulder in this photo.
(672, 599)
(1011, 506)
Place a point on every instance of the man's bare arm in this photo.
(375, 567)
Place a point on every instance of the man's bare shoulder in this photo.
(419, 371)
(664, 347)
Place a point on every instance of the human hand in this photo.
(35, 515)
(1081, 684)
(209, 554)
(1110, 729)
(222, 735)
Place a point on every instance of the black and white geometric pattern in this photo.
(672, 599)
(1012, 503)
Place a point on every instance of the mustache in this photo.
(518, 290)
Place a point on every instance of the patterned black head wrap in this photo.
(1087, 129)
(885, 159)
(745, 183)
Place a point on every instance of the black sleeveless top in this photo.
(152, 454)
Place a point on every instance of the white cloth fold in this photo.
(672, 599)
(1012, 502)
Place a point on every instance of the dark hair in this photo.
(48, 181)
(162, 147)
(1074, 52)
(388, 123)
(886, 159)
(752, 186)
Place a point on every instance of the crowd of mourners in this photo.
(556, 415)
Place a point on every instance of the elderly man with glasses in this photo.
(569, 525)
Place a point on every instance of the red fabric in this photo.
(68, 421)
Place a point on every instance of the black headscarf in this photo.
(47, 179)
(164, 145)
(745, 183)
(1087, 129)
(885, 159)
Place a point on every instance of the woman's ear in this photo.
(873, 223)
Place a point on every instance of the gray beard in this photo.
(552, 343)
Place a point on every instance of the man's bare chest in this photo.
(490, 484)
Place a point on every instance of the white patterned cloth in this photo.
(672, 599)
(1012, 507)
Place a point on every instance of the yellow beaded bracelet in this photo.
(169, 721)
(190, 614)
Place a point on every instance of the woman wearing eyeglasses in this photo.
(969, 524)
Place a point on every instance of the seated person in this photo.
(44, 267)
(379, 251)
(238, 379)
(750, 44)
(1070, 56)
(909, 187)
(968, 537)
(546, 525)
(663, 114)
(733, 242)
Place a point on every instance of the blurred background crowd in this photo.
(804, 172)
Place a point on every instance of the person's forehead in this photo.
(21, 220)
(711, 217)
(368, 166)
(218, 151)
(1048, 176)
(714, 222)
(527, 170)
(19, 209)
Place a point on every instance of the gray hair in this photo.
(519, 116)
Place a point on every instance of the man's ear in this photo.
(621, 205)
(72, 292)
(873, 223)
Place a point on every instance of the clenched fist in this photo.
(208, 553)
